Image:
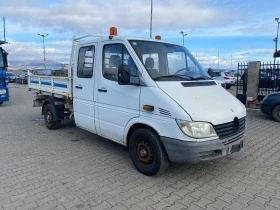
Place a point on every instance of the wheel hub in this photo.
(49, 117)
(144, 152)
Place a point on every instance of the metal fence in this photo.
(269, 80)
(240, 93)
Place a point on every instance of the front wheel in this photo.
(276, 113)
(147, 152)
(49, 112)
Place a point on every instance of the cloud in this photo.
(30, 51)
(85, 16)
(231, 61)
(64, 18)
(256, 52)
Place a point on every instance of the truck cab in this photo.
(4, 90)
(146, 94)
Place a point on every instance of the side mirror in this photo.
(210, 72)
(5, 54)
(123, 75)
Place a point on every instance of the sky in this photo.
(220, 33)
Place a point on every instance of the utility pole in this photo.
(4, 29)
(230, 62)
(151, 19)
(4, 41)
(218, 60)
(43, 36)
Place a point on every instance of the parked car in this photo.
(270, 105)
(11, 76)
(219, 82)
(226, 76)
(22, 78)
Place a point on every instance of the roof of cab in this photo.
(118, 38)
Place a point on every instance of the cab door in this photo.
(116, 104)
(83, 87)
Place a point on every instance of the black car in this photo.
(11, 76)
(270, 105)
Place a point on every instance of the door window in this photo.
(85, 62)
(115, 55)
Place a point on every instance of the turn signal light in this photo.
(148, 108)
(113, 31)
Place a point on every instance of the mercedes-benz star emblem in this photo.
(235, 124)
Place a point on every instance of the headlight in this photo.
(197, 129)
(2, 91)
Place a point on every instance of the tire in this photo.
(276, 113)
(147, 152)
(49, 112)
(1, 103)
(228, 86)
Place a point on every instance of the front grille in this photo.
(227, 130)
(233, 138)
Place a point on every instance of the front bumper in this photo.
(266, 108)
(4, 98)
(180, 151)
(230, 82)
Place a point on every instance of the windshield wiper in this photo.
(174, 76)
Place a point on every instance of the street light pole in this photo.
(43, 36)
(218, 60)
(151, 19)
(183, 34)
(276, 40)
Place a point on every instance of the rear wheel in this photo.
(228, 86)
(147, 152)
(49, 112)
(276, 113)
(1, 102)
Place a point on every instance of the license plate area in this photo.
(236, 148)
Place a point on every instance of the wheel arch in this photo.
(46, 102)
(58, 109)
(136, 126)
(273, 107)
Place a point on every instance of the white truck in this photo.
(146, 94)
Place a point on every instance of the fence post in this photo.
(253, 83)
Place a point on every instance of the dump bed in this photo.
(50, 85)
(57, 86)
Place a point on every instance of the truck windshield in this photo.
(168, 62)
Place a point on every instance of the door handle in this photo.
(79, 87)
(102, 90)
